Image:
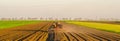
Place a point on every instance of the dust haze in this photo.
(60, 8)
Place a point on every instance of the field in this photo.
(47, 31)
(100, 26)
(10, 24)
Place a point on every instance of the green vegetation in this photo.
(9, 24)
(101, 26)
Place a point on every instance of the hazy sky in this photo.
(60, 8)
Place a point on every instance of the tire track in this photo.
(74, 37)
(31, 34)
(67, 36)
(80, 37)
(98, 37)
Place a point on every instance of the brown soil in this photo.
(68, 32)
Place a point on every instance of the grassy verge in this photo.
(101, 26)
(9, 24)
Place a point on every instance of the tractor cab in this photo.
(58, 24)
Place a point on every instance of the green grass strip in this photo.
(10, 24)
(101, 26)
